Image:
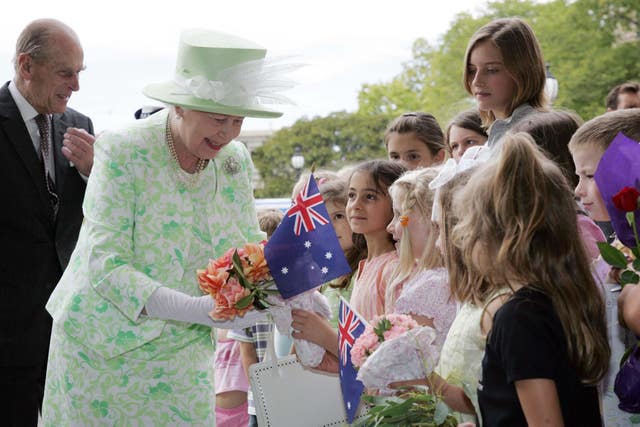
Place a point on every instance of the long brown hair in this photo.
(522, 58)
(466, 284)
(519, 210)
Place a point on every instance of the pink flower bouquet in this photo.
(394, 348)
(381, 329)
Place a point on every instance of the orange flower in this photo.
(226, 299)
(224, 262)
(212, 280)
(254, 266)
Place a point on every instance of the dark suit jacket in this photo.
(34, 247)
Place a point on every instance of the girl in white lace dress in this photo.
(425, 295)
(456, 375)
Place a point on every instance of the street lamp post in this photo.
(297, 161)
(551, 86)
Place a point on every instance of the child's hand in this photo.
(629, 308)
(614, 275)
(315, 328)
(329, 363)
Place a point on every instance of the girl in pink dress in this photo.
(420, 286)
(369, 210)
(231, 383)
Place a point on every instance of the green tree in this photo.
(591, 45)
(328, 142)
(590, 50)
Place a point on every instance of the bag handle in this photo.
(270, 355)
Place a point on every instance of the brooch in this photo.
(231, 166)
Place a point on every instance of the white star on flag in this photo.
(284, 270)
(328, 255)
(325, 270)
(307, 244)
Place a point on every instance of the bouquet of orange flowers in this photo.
(238, 281)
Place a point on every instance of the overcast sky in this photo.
(129, 44)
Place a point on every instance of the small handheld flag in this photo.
(350, 327)
(304, 252)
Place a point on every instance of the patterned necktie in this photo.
(43, 127)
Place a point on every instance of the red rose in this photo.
(627, 199)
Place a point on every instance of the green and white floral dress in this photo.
(108, 364)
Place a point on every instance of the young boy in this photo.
(587, 146)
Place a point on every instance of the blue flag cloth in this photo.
(350, 327)
(304, 251)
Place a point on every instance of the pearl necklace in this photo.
(188, 180)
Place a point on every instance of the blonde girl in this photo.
(416, 140)
(547, 343)
(457, 373)
(420, 286)
(505, 73)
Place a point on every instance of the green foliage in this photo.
(612, 256)
(591, 46)
(413, 408)
(329, 142)
(383, 326)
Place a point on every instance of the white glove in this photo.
(169, 304)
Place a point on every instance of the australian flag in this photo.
(304, 251)
(350, 327)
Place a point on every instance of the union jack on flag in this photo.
(304, 212)
(348, 324)
(350, 327)
(304, 252)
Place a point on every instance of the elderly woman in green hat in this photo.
(131, 341)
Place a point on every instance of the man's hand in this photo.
(78, 148)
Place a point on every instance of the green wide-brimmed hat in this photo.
(222, 73)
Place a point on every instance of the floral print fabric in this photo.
(142, 230)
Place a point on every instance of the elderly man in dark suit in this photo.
(46, 155)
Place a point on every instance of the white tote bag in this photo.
(285, 393)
